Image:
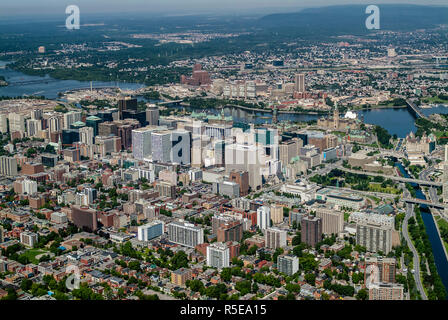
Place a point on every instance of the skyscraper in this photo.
(141, 142)
(311, 230)
(264, 217)
(71, 117)
(332, 221)
(152, 115)
(8, 166)
(299, 84)
(275, 238)
(161, 146)
(86, 135)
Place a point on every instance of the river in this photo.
(397, 121)
(22, 84)
(440, 259)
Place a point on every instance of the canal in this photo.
(440, 259)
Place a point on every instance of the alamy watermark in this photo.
(74, 278)
(373, 21)
(73, 20)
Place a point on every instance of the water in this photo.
(51, 88)
(396, 121)
(440, 259)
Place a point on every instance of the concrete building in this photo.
(374, 237)
(386, 291)
(150, 230)
(8, 166)
(332, 221)
(185, 234)
(288, 264)
(263, 217)
(227, 188)
(380, 269)
(28, 239)
(276, 213)
(218, 255)
(275, 238)
(311, 231)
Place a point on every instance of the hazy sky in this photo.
(40, 7)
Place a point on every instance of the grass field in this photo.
(32, 253)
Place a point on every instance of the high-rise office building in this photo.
(94, 122)
(264, 217)
(299, 84)
(152, 115)
(242, 178)
(218, 255)
(127, 104)
(71, 117)
(141, 142)
(161, 146)
(8, 166)
(288, 264)
(150, 230)
(86, 135)
(92, 194)
(33, 126)
(54, 124)
(311, 230)
(275, 238)
(185, 234)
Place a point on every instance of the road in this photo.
(417, 276)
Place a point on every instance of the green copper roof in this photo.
(93, 118)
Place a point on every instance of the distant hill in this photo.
(351, 19)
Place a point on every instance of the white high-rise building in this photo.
(29, 187)
(185, 234)
(33, 126)
(275, 238)
(54, 124)
(86, 135)
(264, 217)
(161, 146)
(141, 142)
(8, 166)
(3, 123)
(150, 230)
(288, 264)
(218, 255)
(16, 122)
(71, 117)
